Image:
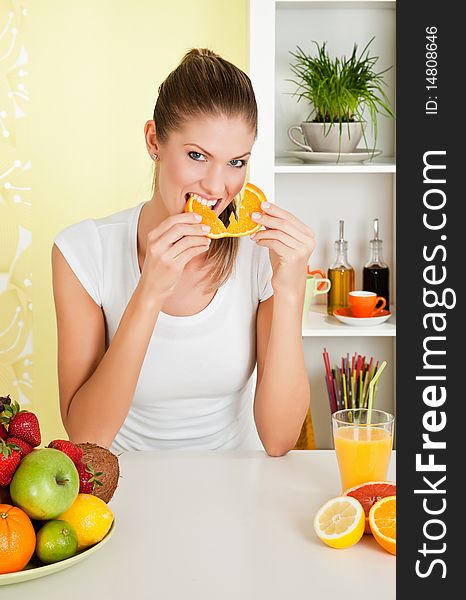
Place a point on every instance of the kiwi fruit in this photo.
(104, 461)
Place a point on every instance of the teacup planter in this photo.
(340, 91)
(328, 137)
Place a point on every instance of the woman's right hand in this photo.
(170, 246)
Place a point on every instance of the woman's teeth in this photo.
(203, 200)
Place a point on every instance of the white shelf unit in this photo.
(378, 165)
(320, 324)
(322, 194)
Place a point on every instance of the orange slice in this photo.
(382, 519)
(244, 225)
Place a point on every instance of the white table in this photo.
(221, 526)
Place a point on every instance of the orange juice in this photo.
(363, 454)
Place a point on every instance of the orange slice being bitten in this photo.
(244, 225)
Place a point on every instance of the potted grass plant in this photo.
(340, 92)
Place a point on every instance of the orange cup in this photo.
(364, 304)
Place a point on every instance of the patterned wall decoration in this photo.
(15, 210)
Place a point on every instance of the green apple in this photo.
(45, 484)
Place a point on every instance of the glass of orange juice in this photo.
(363, 441)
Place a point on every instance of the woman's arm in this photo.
(97, 384)
(282, 392)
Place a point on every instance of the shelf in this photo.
(385, 164)
(320, 324)
(321, 194)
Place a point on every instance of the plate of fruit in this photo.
(53, 500)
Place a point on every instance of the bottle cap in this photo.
(341, 244)
(376, 231)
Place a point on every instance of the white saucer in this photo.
(358, 155)
(342, 315)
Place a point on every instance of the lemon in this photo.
(91, 519)
(340, 522)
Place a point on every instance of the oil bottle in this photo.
(341, 275)
(376, 274)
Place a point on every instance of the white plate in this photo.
(363, 321)
(334, 157)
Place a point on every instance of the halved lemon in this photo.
(339, 523)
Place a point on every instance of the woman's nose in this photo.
(213, 183)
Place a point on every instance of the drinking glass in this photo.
(363, 441)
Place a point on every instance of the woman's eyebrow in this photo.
(210, 155)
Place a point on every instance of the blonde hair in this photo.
(205, 84)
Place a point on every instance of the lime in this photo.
(56, 540)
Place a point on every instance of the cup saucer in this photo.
(344, 315)
(359, 155)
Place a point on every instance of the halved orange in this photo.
(244, 225)
(382, 519)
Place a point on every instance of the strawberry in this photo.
(23, 446)
(87, 478)
(21, 423)
(4, 400)
(69, 449)
(10, 457)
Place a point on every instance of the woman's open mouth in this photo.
(213, 204)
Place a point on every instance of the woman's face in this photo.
(207, 157)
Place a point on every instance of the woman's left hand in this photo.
(290, 243)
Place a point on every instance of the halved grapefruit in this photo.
(369, 493)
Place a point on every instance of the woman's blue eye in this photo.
(238, 160)
(196, 155)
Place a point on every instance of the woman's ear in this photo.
(151, 138)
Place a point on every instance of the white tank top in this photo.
(196, 383)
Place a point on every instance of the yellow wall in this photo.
(16, 360)
(94, 71)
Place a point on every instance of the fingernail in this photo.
(205, 228)
(197, 217)
(256, 216)
(265, 205)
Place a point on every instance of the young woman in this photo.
(159, 327)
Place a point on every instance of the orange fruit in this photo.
(17, 539)
(368, 493)
(382, 519)
(244, 225)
